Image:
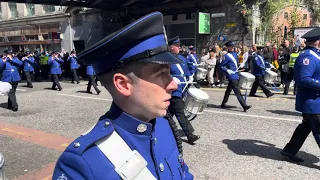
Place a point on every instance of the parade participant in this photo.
(193, 62)
(74, 66)
(28, 69)
(180, 73)
(55, 63)
(132, 140)
(294, 55)
(9, 66)
(92, 79)
(230, 66)
(307, 77)
(259, 70)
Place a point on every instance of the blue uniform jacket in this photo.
(9, 70)
(28, 64)
(307, 78)
(55, 65)
(258, 65)
(228, 63)
(180, 71)
(157, 145)
(191, 63)
(73, 62)
(90, 71)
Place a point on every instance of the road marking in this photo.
(16, 132)
(44, 174)
(21, 90)
(210, 111)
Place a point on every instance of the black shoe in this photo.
(60, 89)
(89, 92)
(31, 86)
(253, 95)
(78, 82)
(98, 92)
(224, 106)
(247, 108)
(54, 88)
(291, 157)
(193, 138)
(15, 109)
(270, 95)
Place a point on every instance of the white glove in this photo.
(190, 79)
(230, 72)
(176, 80)
(241, 65)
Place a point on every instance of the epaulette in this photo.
(102, 129)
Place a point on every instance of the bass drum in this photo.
(195, 101)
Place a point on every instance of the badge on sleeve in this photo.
(306, 61)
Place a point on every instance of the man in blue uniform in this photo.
(193, 62)
(259, 70)
(180, 74)
(55, 64)
(28, 69)
(307, 78)
(230, 67)
(92, 80)
(9, 68)
(72, 59)
(132, 140)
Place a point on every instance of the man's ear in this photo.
(122, 84)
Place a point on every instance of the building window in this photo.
(286, 15)
(30, 9)
(13, 10)
(305, 16)
(49, 9)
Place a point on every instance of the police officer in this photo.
(28, 68)
(74, 66)
(92, 80)
(44, 65)
(132, 140)
(230, 66)
(259, 69)
(9, 68)
(55, 64)
(307, 78)
(180, 74)
(294, 55)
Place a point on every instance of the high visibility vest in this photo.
(292, 60)
(43, 60)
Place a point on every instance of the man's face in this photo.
(152, 91)
(230, 48)
(286, 43)
(175, 48)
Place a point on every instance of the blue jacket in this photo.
(180, 71)
(229, 63)
(90, 71)
(28, 64)
(9, 70)
(258, 65)
(73, 62)
(307, 78)
(156, 145)
(191, 63)
(55, 65)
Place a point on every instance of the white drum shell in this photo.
(246, 80)
(270, 77)
(201, 73)
(195, 101)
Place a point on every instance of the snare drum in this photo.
(195, 101)
(246, 80)
(201, 73)
(270, 77)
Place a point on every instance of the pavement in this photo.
(233, 144)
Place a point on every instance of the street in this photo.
(233, 144)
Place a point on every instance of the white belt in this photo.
(130, 165)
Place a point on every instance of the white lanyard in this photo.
(233, 59)
(261, 60)
(181, 71)
(315, 54)
(194, 59)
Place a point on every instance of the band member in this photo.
(9, 68)
(132, 140)
(28, 69)
(230, 66)
(259, 70)
(74, 66)
(294, 55)
(92, 80)
(307, 78)
(55, 63)
(193, 62)
(180, 73)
